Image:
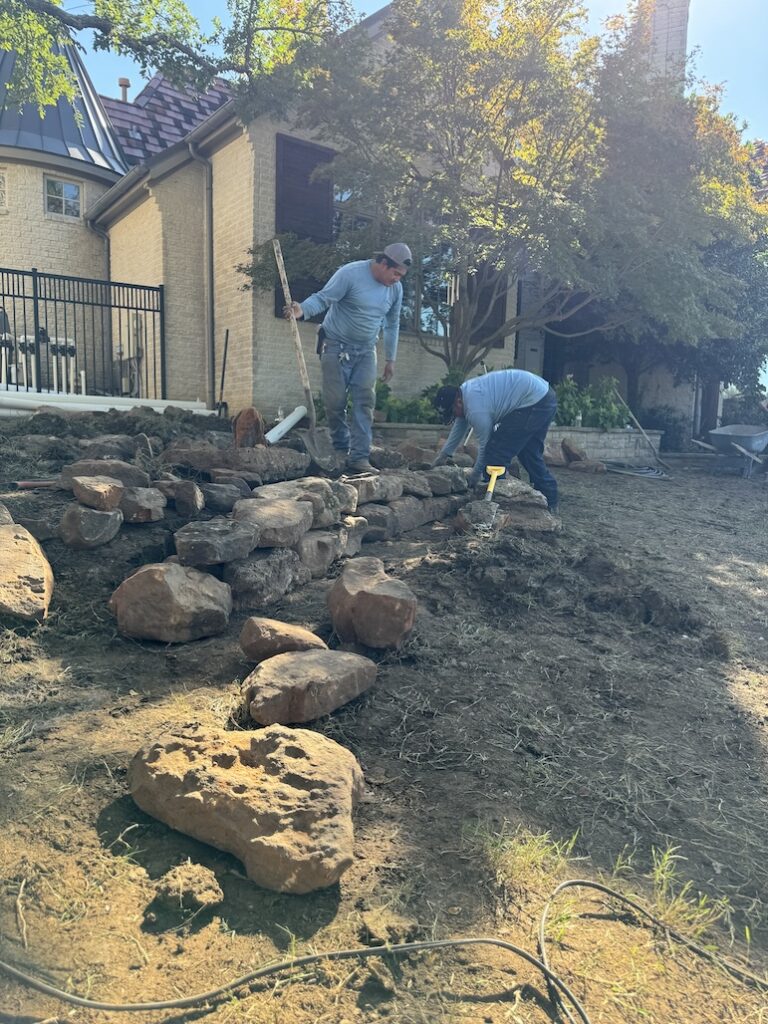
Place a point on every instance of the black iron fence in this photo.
(77, 335)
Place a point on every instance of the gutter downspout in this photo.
(107, 252)
(194, 152)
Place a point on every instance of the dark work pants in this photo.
(522, 433)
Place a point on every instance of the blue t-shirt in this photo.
(358, 306)
(487, 400)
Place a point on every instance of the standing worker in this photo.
(520, 406)
(361, 297)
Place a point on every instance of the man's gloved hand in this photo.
(440, 460)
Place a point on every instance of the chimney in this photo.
(125, 85)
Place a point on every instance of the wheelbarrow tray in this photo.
(752, 439)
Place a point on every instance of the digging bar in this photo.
(319, 448)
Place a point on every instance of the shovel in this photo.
(316, 441)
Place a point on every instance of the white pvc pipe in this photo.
(56, 373)
(282, 428)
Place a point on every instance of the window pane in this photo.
(71, 208)
(54, 204)
(71, 191)
(54, 188)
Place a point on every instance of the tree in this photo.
(502, 143)
(265, 48)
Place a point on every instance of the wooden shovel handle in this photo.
(296, 335)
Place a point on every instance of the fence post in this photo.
(163, 381)
(36, 321)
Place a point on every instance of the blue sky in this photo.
(728, 37)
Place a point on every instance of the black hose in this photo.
(301, 961)
(582, 883)
(556, 985)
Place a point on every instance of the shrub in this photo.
(594, 406)
(677, 430)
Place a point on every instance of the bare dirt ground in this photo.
(589, 704)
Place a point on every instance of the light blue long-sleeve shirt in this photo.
(358, 306)
(487, 400)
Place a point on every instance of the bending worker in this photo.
(520, 406)
(360, 298)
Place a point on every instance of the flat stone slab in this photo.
(214, 542)
(143, 505)
(84, 528)
(26, 577)
(304, 685)
(171, 603)
(369, 607)
(281, 800)
(266, 464)
(264, 577)
(104, 493)
(262, 638)
(280, 522)
(510, 489)
(128, 474)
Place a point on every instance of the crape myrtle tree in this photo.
(504, 143)
(264, 48)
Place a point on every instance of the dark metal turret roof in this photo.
(78, 131)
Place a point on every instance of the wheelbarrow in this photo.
(739, 439)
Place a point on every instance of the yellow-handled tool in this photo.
(494, 472)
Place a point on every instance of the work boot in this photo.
(356, 467)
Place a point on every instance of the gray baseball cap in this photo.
(400, 254)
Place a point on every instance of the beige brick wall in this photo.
(234, 197)
(180, 199)
(30, 237)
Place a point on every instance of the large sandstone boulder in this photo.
(26, 577)
(510, 489)
(217, 541)
(264, 577)
(264, 638)
(84, 528)
(171, 603)
(304, 685)
(280, 522)
(128, 474)
(267, 464)
(103, 493)
(326, 507)
(142, 505)
(369, 607)
(280, 800)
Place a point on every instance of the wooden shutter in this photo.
(303, 207)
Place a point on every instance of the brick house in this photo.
(181, 190)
